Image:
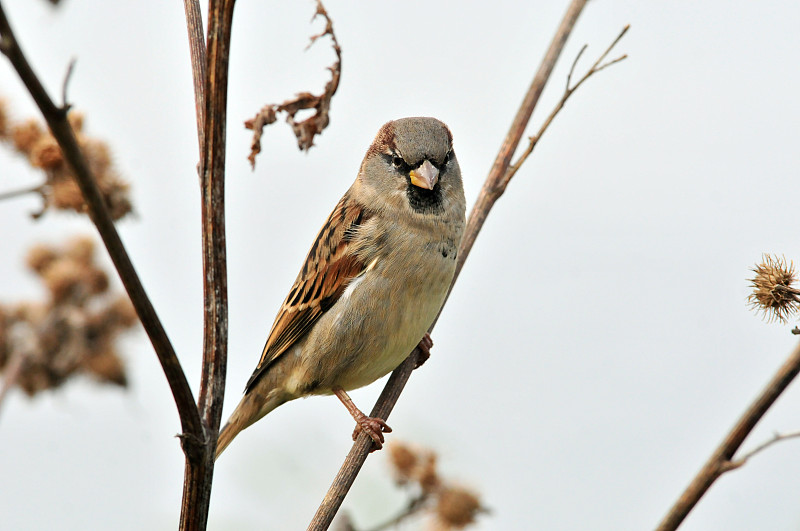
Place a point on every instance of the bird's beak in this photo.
(426, 176)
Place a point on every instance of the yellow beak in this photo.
(426, 176)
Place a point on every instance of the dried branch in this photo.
(61, 130)
(197, 54)
(304, 130)
(776, 438)
(489, 194)
(39, 190)
(568, 91)
(722, 460)
(199, 468)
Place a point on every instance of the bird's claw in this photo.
(424, 347)
(375, 428)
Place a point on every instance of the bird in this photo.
(374, 279)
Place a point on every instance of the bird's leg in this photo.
(374, 426)
(424, 347)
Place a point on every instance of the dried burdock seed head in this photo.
(63, 278)
(75, 119)
(25, 136)
(107, 367)
(98, 157)
(122, 311)
(773, 294)
(457, 507)
(40, 257)
(116, 194)
(80, 249)
(427, 475)
(46, 154)
(65, 195)
(404, 461)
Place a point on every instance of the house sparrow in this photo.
(373, 281)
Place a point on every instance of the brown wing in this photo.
(329, 266)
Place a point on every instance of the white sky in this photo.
(597, 345)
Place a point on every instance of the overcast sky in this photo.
(597, 346)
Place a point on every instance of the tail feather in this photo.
(226, 435)
(251, 408)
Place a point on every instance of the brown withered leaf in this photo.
(305, 130)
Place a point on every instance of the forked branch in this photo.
(722, 460)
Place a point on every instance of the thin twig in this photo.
(414, 505)
(38, 189)
(363, 444)
(596, 67)
(61, 130)
(720, 460)
(776, 438)
(65, 84)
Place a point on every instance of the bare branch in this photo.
(596, 67)
(38, 189)
(199, 469)
(776, 438)
(61, 129)
(65, 84)
(720, 461)
(304, 130)
(363, 444)
(197, 53)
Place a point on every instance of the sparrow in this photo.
(373, 282)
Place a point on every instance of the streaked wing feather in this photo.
(329, 266)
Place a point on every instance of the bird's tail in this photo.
(251, 408)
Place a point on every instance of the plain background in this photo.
(597, 345)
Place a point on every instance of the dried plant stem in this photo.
(722, 460)
(197, 54)
(22, 191)
(61, 130)
(414, 506)
(199, 469)
(358, 453)
(568, 91)
(778, 437)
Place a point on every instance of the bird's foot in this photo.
(374, 427)
(424, 347)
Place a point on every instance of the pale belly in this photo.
(375, 325)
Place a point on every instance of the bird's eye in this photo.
(397, 162)
(448, 157)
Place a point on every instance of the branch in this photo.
(38, 189)
(197, 53)
(568, 91)
(199, 469)
(776, 438)
(363, 444)
(414, 505)
(56, 118)
(721, 460)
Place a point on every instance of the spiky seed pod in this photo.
(25, 135)
(457, 507)
(773, 293)
(403, 460)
